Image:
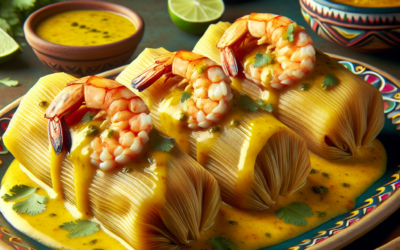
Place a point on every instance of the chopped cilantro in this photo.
(159, 142)
(185, 96)
(267, 107)
(214, 129)
(329, 81)
(294, 213)
(320, 189)
(92, 131)
(346, 185)
(262, 60)
(19, 192)
(43, 104)
(80, 228)
(321, 214)
(8, 82)
(313, 171)
(88, 117)
(304, 86)
(110, 133)
(290, 35)
(246, 103)
(268, 234)
(221, 243)
(233, 223)
(34, 205)
(326, 175)
(201, 68)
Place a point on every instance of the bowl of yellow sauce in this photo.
(84, 37)
(366, 25)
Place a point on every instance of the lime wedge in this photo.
(194, 16)
(8, 47)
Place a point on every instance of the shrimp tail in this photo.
(59, 135)
(228, 61)
(162, 66)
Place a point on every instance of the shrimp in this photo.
(288, 44)
(212, 93)
(128, 115)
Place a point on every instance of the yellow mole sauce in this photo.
(85, 28)
(345, 180)
(369, 3)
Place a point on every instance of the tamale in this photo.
(334, 122)
(160, 201)
(254, 161)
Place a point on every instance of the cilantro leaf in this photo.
(23, 4)
(221, 243)
(246, 103)
(34, 205)
(88, 117)
(294, 213)
(80, 228)
(159, 142)
(329, 81)
(262, 59)
(185, 96)
(304, 86)
(290, 35)
(8, 82)
(18, 192)
(110, 133)
(267, 107)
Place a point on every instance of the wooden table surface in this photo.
(161, 32)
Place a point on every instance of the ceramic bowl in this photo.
(82, 60)
(362, 28)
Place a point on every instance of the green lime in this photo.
(8, 47)
(194, 16)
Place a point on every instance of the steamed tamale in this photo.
(159, 201)
(334, 122)
(253, 156)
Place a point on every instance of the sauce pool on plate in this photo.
(85, 28)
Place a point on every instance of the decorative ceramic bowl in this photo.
(360, 28)
(82, 60)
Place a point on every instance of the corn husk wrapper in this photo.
(252, 170)
(126, 204)
(333, 122)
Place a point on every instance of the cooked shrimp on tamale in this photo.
(285, 52)
(128, 115)
(212, 93)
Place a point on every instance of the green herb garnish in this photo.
(110, 133)
(294, 213)
(88, 117)
(234, 122)
(321, 214)
(214, 129)
(304, 86)
(10, 83)
(80, 228)
(268, 234)
(313, 171)
(320, 189)
(233, 223)
(246, 103)
(326, 175)
(221, 243)
(262, 59)
(33, 205)
(201, 68)
(159, 142)
(290, 36)
(126, 170)
(92, 131)
(346, 185)
(185, 96)
(182, 116)
(329, 81)
(267, 107)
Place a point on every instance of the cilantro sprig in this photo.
(159, 142)
(290, 29)
(262, 60)
(329, 81)
(80, 228)
(185, 96)
(245, 102)
(294, 213)
(8, 82)
(88, 117)
(33, 204)
(221, 243)
(267, 107)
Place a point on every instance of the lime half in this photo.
(194, 16)
(8, 47)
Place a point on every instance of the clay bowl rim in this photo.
(78, 52)
(356, 9)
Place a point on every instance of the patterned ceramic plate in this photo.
(375, 205)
